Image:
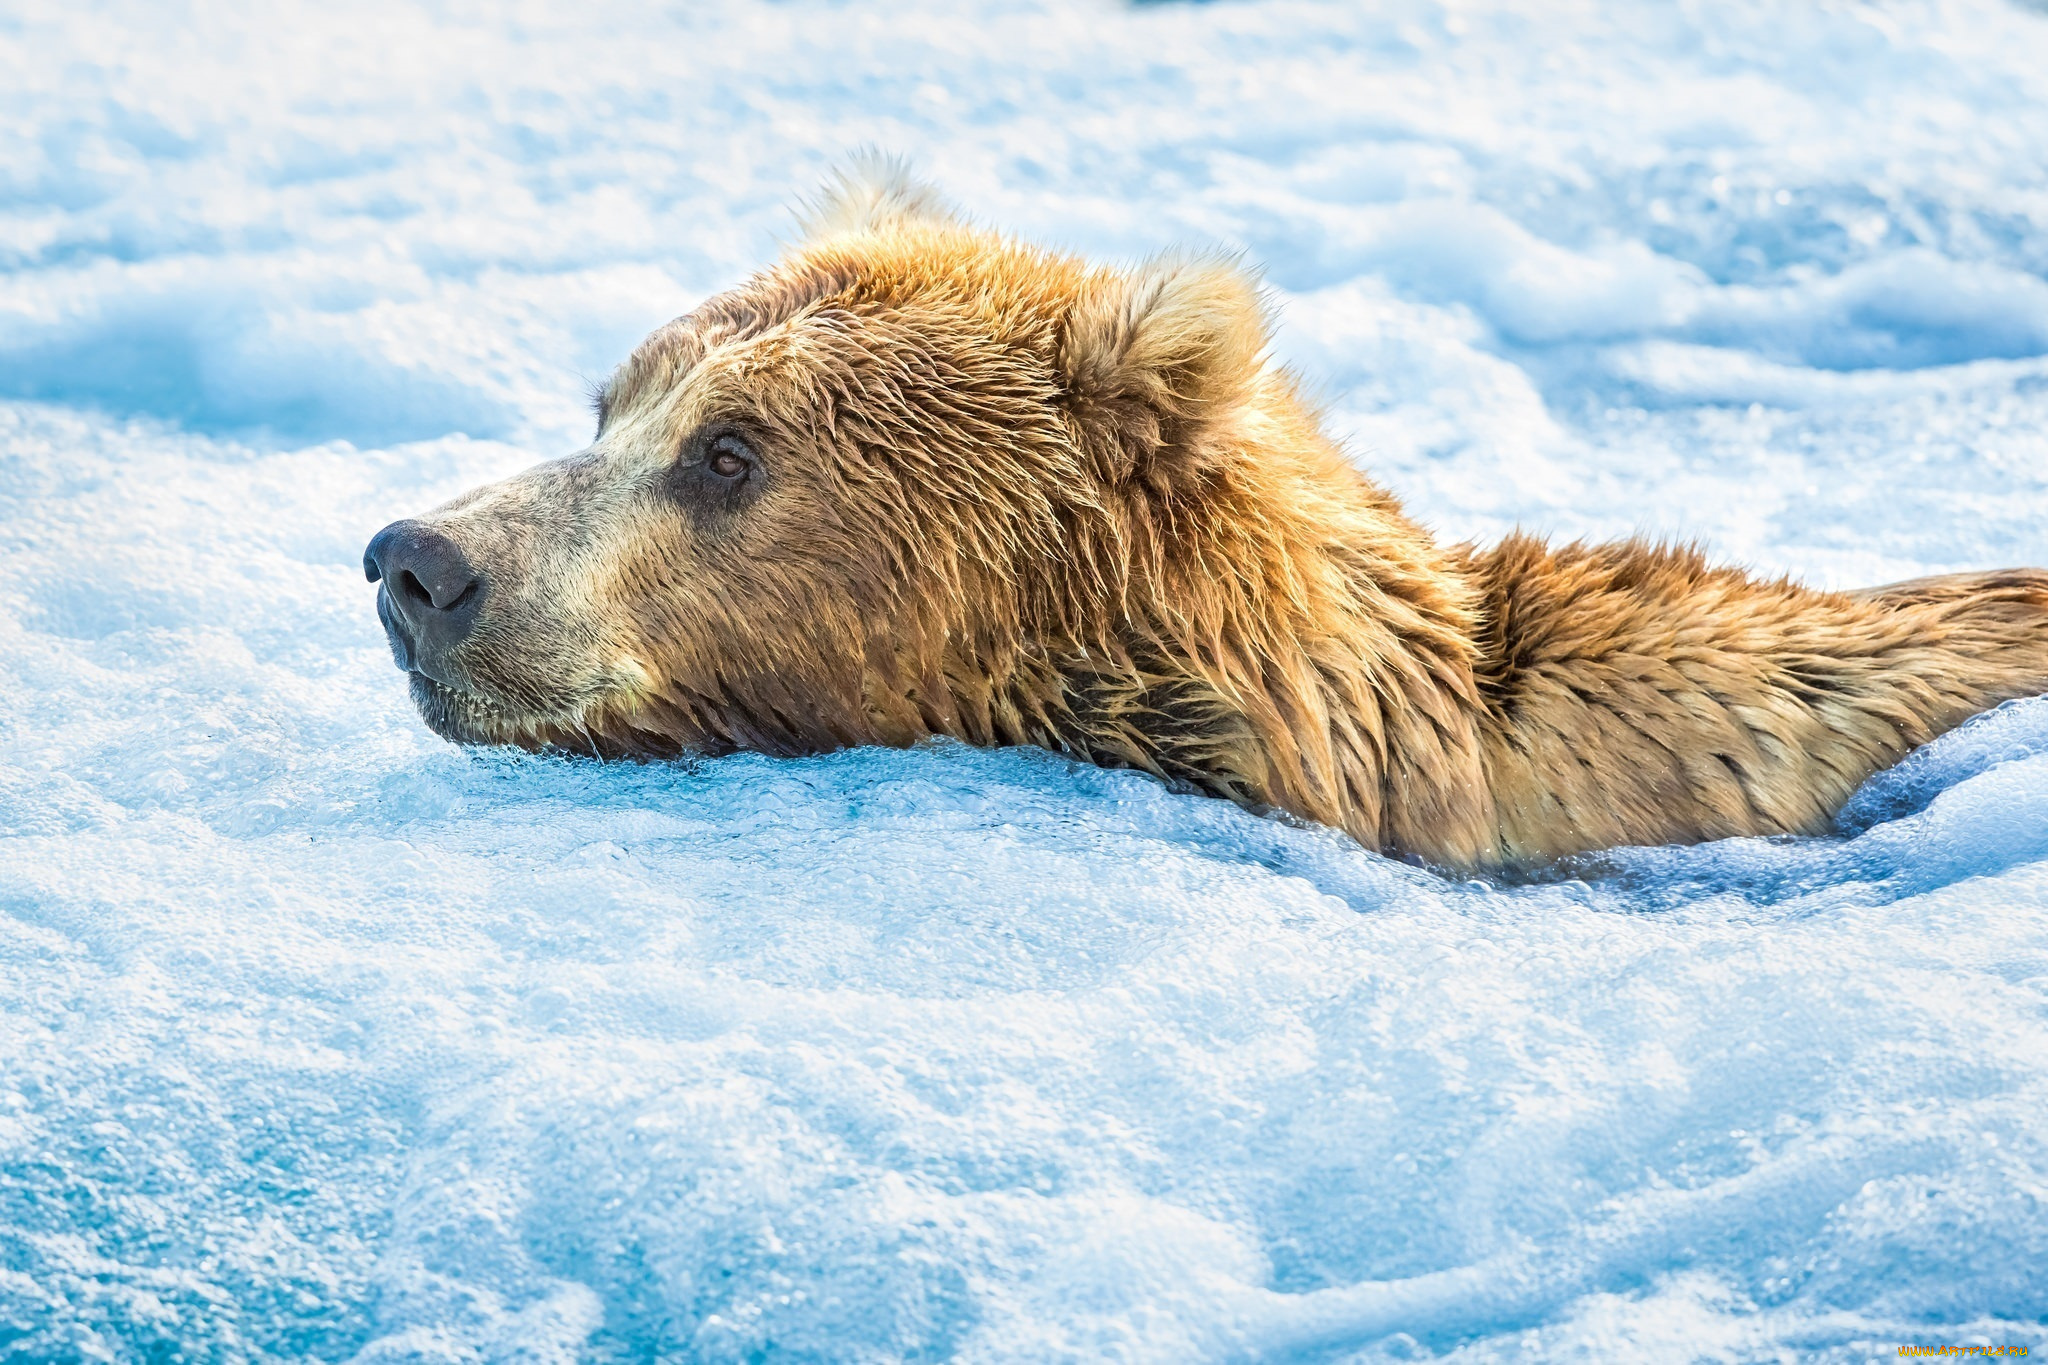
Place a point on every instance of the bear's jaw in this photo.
(458, 716)
(471, 718)
(625, 719)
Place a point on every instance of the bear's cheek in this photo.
(722, 625)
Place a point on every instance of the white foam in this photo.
(321, 1039)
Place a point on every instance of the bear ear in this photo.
(1152, 358)
(872, 193)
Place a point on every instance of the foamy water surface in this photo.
(320, 1039)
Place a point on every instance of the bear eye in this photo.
(728, 457)
(716, 476)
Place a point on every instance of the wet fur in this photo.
(1016, 499)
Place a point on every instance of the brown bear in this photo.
(921, 479)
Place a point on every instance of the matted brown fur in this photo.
(1000, 494)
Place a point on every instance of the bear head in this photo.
(896, 485)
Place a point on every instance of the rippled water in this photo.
(320, 1039)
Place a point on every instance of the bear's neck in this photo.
(1288, 639)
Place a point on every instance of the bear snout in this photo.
(429, 599)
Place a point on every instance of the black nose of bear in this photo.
(430, 596)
